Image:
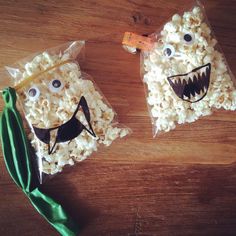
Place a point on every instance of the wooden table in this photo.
(181, 183)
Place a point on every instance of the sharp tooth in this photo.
(185, 97)
(182, 79)
(195, 79)
(192, 78)
(178, 81)
(195, 74)
(173, 80)
(200, 72)
(192, 96)
(198, 97)
(199, 76)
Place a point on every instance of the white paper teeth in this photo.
(190, 79)
(219, 93)
(182, 79)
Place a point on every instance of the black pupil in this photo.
(168, 51)
(32, 92)
(56, 83)
(188, 38)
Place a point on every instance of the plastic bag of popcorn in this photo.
(68, 116)
(185, 73)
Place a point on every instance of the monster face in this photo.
(68, 116)
(186, 69)
(186, 73)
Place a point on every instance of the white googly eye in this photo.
(55, 85)
(168, 51)
(188, 38)
(33, 93)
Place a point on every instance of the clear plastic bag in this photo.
(185, 74)
(67, 114)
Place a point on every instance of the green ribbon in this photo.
(16, 154)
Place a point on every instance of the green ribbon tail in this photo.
(16, 154)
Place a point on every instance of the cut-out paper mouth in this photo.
(67, 131)
(193, 86)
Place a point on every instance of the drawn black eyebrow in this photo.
(67, 131)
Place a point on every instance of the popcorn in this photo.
(171, 27)
(186, 76)
(176, 18)
(64, 96)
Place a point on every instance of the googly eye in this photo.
(33, 93)
(188, 38)
(169, 51)
(55, 85)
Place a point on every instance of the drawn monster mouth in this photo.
(67, 131)
(193, 86)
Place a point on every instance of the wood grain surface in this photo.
(181, 183)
